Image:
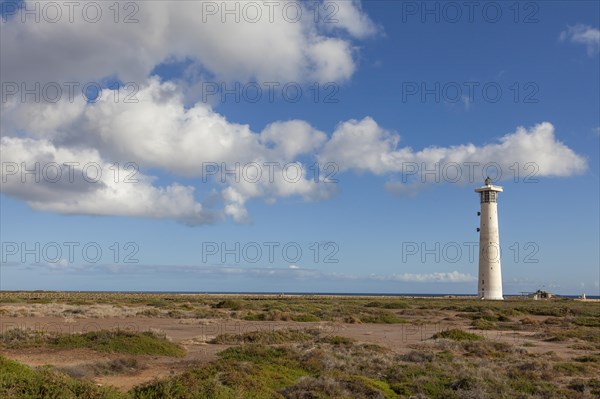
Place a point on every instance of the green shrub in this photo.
(588, 359)
(457, 335)
(337, 340)
(482, 324)
(266, 337)
(571, 369)
(305, 317)
(120, 341)
(228, 304)
(22, 382)
(588, 321)
(381, 318)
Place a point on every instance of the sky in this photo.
(286, 146)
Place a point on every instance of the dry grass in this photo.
(129, 365)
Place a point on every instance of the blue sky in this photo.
(399, 93)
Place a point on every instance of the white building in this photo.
(490, 275)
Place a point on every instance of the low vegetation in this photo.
(267, 337)
(129, 365)
(119, 341)
(307, 360)
(18, 381)
(508, 314)
(457, 335)
(320, 369)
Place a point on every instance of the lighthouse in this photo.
(489, 285)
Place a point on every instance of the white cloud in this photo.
(435, 277)
(467, 102)
(348, 15)
(583, 34)
(61, 264)
(292, 272)
(281, 49)
(330, 60)
(162, 132)
(364, 146)
(92, 186)
(159, 132)
(293, 138)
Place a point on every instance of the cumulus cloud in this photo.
(70, 181)
(348, 15)
(287, 43)
(293, 138)
(364, 146)
(159, 132)
(583, 34)
(162, 132)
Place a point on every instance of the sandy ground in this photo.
(194, 334)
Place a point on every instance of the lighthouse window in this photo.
(488, 196)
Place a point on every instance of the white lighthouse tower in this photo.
(490, 275)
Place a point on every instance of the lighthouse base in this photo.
(492, 297)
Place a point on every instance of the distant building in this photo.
(543, 294)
